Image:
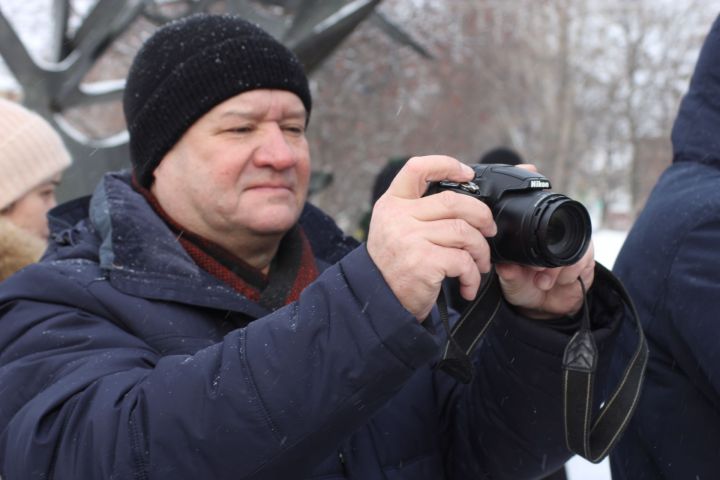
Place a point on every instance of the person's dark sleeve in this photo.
(692, 297)
(508, 423)
(82, 397)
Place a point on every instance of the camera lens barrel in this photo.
(540, 228)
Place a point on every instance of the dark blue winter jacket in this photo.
(121, 359)
(670, 264)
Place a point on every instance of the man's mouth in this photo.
(283, 186)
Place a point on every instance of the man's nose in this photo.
(275, 150)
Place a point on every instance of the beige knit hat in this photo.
(31, 151)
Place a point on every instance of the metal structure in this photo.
(311, 28)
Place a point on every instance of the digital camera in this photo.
(534, 225)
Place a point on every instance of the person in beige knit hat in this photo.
(32, 159)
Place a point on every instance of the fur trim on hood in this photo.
(18, 248)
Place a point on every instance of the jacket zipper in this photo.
(343, 466)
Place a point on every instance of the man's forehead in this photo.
(261, 102)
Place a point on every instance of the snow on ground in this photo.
(607, 245)
(580, 469)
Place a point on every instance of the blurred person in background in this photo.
(670, 264)
(32, 159)
(502, 154)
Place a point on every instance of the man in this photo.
(671, 267)
(202, 321)
(32, 159)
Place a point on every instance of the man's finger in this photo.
(461, 266)
(527, 166)
(572, 272)
(448, 205)
(459, 234)
(411, 181)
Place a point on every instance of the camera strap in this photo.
(591, 439)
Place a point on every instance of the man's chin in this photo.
(274, 223)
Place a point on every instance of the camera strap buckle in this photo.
(590, 439)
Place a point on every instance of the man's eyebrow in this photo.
(238, 113)
(296, 113)
(249, 113)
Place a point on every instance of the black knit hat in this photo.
(191, 65)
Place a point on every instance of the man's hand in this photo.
(417, 241)
(547, 292)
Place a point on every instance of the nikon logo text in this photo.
(539, 184)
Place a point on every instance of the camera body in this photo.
(534, 225)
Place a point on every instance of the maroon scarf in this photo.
(292, 269)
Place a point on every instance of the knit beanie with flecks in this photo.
(31, 152)
(191, 65)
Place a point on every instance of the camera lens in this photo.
(557, 229)
(563, 230)
(564, 235)
(540, 228)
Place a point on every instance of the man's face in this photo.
(241, 169)
(29, 212)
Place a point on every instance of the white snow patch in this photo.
(580, 469)
(607, 245)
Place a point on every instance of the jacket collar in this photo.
(141, 256)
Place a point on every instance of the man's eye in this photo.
(243, 129)
(294, 129)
